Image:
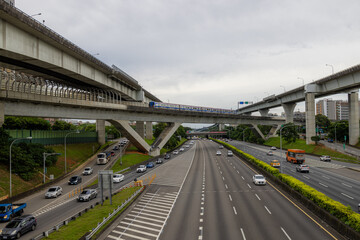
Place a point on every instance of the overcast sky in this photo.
(211, 53)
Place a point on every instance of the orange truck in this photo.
(295, 156)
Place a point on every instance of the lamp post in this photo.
(335, 135)
(332, 67)
(29, 138)
(77, 131)
(283, 87)
(45, 155)
(281, 153)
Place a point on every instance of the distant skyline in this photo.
(212, 53)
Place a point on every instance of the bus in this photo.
(295, 156)
(103, 158)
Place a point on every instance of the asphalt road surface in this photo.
(329, 178)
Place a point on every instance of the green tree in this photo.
(288, 132)
(322, 121)
(31, 123)
(316, 139)
(342, 130)
(62, 125)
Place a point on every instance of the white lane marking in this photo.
(346, 185)
(202, 211)
(292, 170)
(129, 235)
(243, 234)
(146, 218)
(142, 222)
(221, 172)
(235, 210)
(242, 177)
(306, 177)
(237, 171)
(347, 196)
(267, 210)
(323, 184)
(201, 233)
(249, 185)
(325, 177)
(223, 178)
(257, 196)
(201, 220)
(226, 186)
(138, 226)
(285, 233)
(230, 197)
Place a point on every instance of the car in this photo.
(116, 148)
(218, 153)
(259, 179)
(330, 140)
(112, 153)
(181, 149)
(192, 142)
(230, 153)
(186, 146)
(141, 168)
(273, 148)
(176, 152)
(302, 168)
(150, 165)
(118, 178)
(53, 192)
(18, 227)
(88, 171)
(86, 195)
(221, 146)
(325, 158)
(74, 180)
(270, 153)
(159, 161)
(275, 163)
(167, 156)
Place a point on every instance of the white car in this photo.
(87, 171)
(230, 153)
(325, 158)
(218, 153)
(187, 146)
(176, 152)
(141, 168)
(181, 149)
(53, 192)
(273, 148)
(259, 179)
(221, 146)
(118, 178)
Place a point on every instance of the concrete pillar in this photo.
(272, 132)
(221, 126)
(353, 99)
(140, 128)
(149, 130)
(264, 112)
(258, 131)
(100, 129)
(2, 113)
(310, 117)
(289, 111)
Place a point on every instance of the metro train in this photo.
(189, 108)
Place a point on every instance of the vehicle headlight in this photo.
(6, 216)
(13, 232)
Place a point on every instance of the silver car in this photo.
(87, 171)
(53, 192)
(118, 178)
(86, 195)
(259, 179)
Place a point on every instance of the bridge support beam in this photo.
(221, 126)
(140, 128)
(353, 99)
(264, 112)
(125, 128)
(258, 131)
(164, 137)
(2, 114)
(149, 130)
(272, 132)
(289, 111)
(310, 117)
(100, 129)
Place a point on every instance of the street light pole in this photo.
(45, 155)
(29, 138)
(65, 147)
(332, 67)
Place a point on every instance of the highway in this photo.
(50, 212)
(326, 177)
(203, 196)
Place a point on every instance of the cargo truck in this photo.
(8, 211)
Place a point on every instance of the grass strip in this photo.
(129, 160)
(89, 220)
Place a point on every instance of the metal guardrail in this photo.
(66, 221)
